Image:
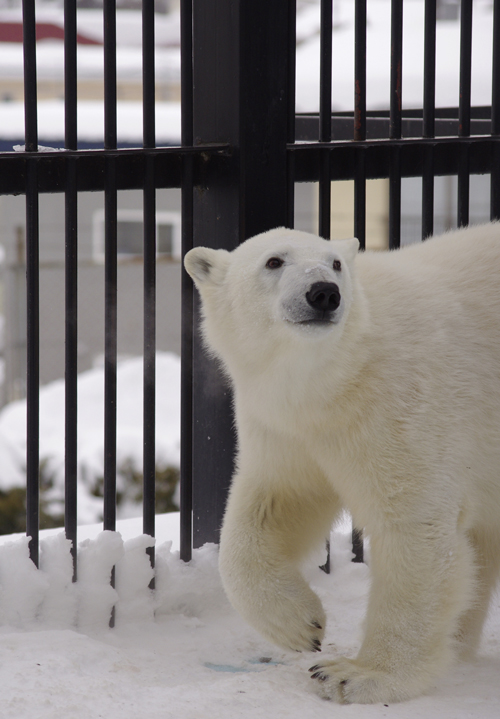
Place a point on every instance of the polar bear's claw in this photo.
(296, 628)
(319, 675)
(347, 682)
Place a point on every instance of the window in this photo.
(130, 234)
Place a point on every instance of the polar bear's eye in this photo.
(337, 265)
(274, 263)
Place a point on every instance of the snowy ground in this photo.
(184, 653)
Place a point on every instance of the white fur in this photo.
(392, 411)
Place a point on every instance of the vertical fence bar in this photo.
(148, 75)
(395, 123)
(71, 281)
(325, 117)
(71, 358)
(186, 494)
(33, 358)
(110, 293)
(70, 76)
(110, 266)
(30, 88)
(360, 171)
(149, 210)
(110, 274)
(109, 17)
(360, 120)
(464, 112)
(495, 115)
(396, 68)
(325, 135)
(292, 43)
(429, 113)
(32, 281)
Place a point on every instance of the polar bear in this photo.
(370, 382)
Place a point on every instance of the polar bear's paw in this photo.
(296, 626)
(347, 682)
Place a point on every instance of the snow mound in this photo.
(91, 432)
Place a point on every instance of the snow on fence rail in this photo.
(48, 598)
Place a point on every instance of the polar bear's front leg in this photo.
(275, 515)
(423, 580)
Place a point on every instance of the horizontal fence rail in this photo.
(308, 157)
(130, 167)
(376, 125)
(243, 149)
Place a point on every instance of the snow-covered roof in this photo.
(90, 120)
(90, 61)
(90, 24)
(379, 55)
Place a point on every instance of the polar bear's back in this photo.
(459, 271)
(472, 254)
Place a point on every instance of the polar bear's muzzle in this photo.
(322, 302)
(315, 304)
(324, 298)
(319, 305)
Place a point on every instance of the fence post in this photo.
(240, 71)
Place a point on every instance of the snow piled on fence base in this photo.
(181, 652)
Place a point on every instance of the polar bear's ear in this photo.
(206, 265)
(349, 248)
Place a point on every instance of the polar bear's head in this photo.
(277, 287)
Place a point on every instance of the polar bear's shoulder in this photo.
(480, 241)
(470, 254)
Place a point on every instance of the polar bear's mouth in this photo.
(330, 320)
(300, 316)
(326, 322)
(319, 306)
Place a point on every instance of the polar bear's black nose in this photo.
(324, 296)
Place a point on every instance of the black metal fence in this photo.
(243, 150)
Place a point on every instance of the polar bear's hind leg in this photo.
(471, 622)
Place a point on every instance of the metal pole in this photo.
(360, 121)
(32, 280)
(186, 474)
(325, 118)
(429, 113)
(71, 282)
(110, 275)
(495, 115)
(149, 212)
(235, 44)
(395, 123)
(464, 112)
